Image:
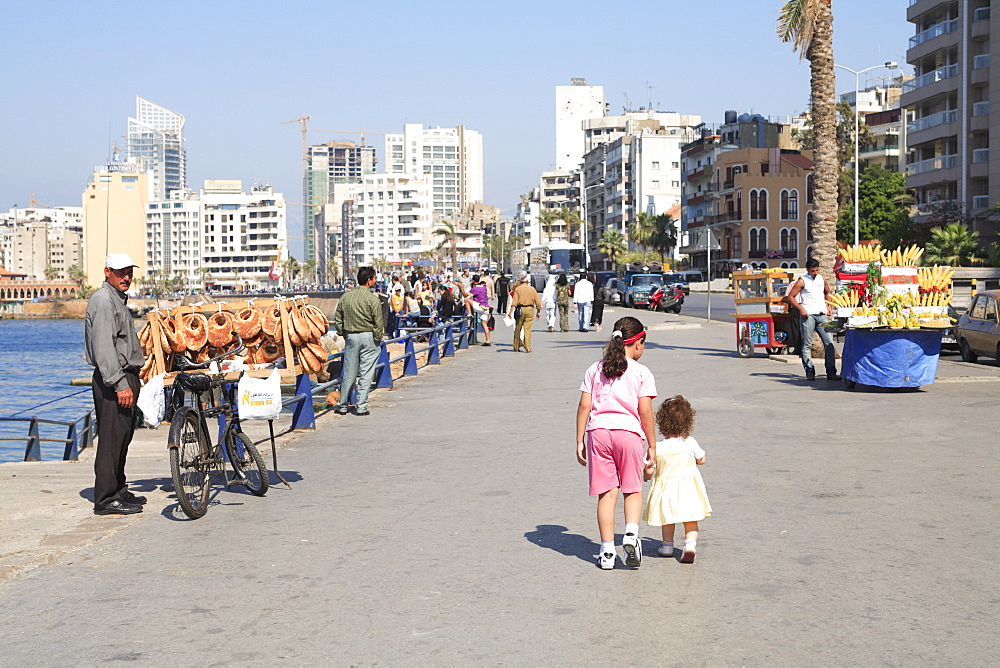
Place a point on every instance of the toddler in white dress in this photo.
(678, 491)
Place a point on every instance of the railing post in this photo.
(474, 324)
(974, 284)
(72, 451)
(449, 342)
(410, 362)
(434, 351)
(304, 417)
(33, 449)
(463, 330)
(383, 376)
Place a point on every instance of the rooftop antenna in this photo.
(628, 103)
(649, 103)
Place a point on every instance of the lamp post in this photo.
(857, 121)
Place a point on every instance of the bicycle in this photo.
(193, 455)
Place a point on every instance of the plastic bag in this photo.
(151, 402)
(259, 398)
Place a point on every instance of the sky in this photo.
(238, 70)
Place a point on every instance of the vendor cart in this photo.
(890, 357)
(762, 314)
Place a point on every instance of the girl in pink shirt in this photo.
(614, 415)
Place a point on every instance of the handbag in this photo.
(491, 323)
(517, 313)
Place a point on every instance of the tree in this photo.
(612, 244)
(642, 231)
(51, 273)
(884, 214)
(493, 247)
(953, 245)
(380, 263)
(806, 139)
(664, 236)
(808, 25)
(572, 219)
(546, 219)
(289, 268)
(450, 236)
(309, 270)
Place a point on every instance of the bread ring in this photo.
(270, 321)
(254, 340)
(307, 321)
(246, 322)
(144, 335)
(269, 351)
(146, 372)
(194, 331)
(164, 341)
(202, 355)
(220, 329)
(171, 329)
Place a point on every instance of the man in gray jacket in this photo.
(112, 348)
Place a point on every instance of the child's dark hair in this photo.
(615, 363)
(675, 417)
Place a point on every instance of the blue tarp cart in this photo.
(890, 357)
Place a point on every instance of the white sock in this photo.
(607, 547)
(690, 544)
(632, 528)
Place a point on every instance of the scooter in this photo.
(666, 298)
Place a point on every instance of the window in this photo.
(991, 309)
(656, 164)
(656, 184)
(809, 189)
(809, 226)
(789, 205)
(675, 165)
(758, 204)
(978, 309)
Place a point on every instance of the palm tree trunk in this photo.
(826, 167)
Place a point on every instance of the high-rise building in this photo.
(451, 159)
(335, 162)
(155, 141)
(173, 237)
(392, 219)
(36, 241)
(948, 102)
(574, 104)
(114, 217)
(879, 111)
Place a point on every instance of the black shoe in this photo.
(342, 410)
(833, 376)
(129, 497)
(118, 507)
(363, 413)
(487, 345)
(810, 376)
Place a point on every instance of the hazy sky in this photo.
(236, 70)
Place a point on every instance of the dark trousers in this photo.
(597, 315)
(502, 297)
(115, 426)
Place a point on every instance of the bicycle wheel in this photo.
(251, 465)
(189, 462)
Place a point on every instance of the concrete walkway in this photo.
(453, 527)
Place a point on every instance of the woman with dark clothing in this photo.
(446, 303)
(562, 301)
(597, 314)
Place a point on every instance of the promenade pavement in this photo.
(453, 526)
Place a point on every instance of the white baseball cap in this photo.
(118, 261)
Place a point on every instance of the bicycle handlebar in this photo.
(182, 363)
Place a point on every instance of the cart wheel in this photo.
(849, 384)
(773, 351)
(792, 349)
(745, 347)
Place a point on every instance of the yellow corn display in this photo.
(935, 277)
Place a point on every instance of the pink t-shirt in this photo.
(615, 403)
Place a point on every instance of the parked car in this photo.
(614, 289)
(679, 281)
(601, 277)
(978, 331)
(639, 286)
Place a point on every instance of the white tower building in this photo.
(155, 141)
(574, 104)
(451, 159)
(392, 219)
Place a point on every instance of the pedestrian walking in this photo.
(678, 492)
(808, 294)
(502, 287)
(583, 296)
(615, 413)
(359, 320)
(549, 302)
(600, 294)
(526, 303)
(562, 301)
(112, 348)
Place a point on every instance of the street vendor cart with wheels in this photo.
(762, 317)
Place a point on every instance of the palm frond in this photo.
(797, 23)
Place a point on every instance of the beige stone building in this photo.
(114, 217)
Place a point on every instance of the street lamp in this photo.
(857, 119)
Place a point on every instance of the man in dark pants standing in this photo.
(359, 320)
(112, 348)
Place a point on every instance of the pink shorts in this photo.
(614, 459)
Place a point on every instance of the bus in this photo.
(555, 257)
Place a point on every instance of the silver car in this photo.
(978, 331)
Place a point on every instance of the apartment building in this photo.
(155, 141)
(174, 238)
(37, 240)
(114, 216)
(948, 102)
(393, 219)
(878, 106)
(757, 202)
(334, 163)
(450, 159)
(558, 190)
(575, 104)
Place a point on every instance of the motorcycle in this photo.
(666, 298)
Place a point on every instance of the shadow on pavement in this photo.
(554, 537)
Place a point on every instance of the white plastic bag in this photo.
(151, 401)
(259, 398)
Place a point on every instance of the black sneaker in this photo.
(833, 376)
(810, 376)
(129, 497)
(118, 507)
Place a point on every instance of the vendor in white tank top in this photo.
(809, 294)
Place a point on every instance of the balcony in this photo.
(981, 14)
(981, 155)
(935, 30)
(941, 117)
(940, 162)
(981, 108)
(946, 72)
(981, 61)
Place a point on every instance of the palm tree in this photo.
(808, 25)
(642, 231)
(309, 269)
(289, 268)
(546, 219)
(51, 273)
(572, 219)
(953, 245)
(664, 236)
(380, 263)
(450, 236)
(612, 244)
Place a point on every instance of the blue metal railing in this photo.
(77, 437)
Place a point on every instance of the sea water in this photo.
(38, 358)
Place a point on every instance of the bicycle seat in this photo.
(195, 382)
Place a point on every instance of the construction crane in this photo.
(34, 203)
(302, 121)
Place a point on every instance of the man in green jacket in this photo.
(359, 320)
